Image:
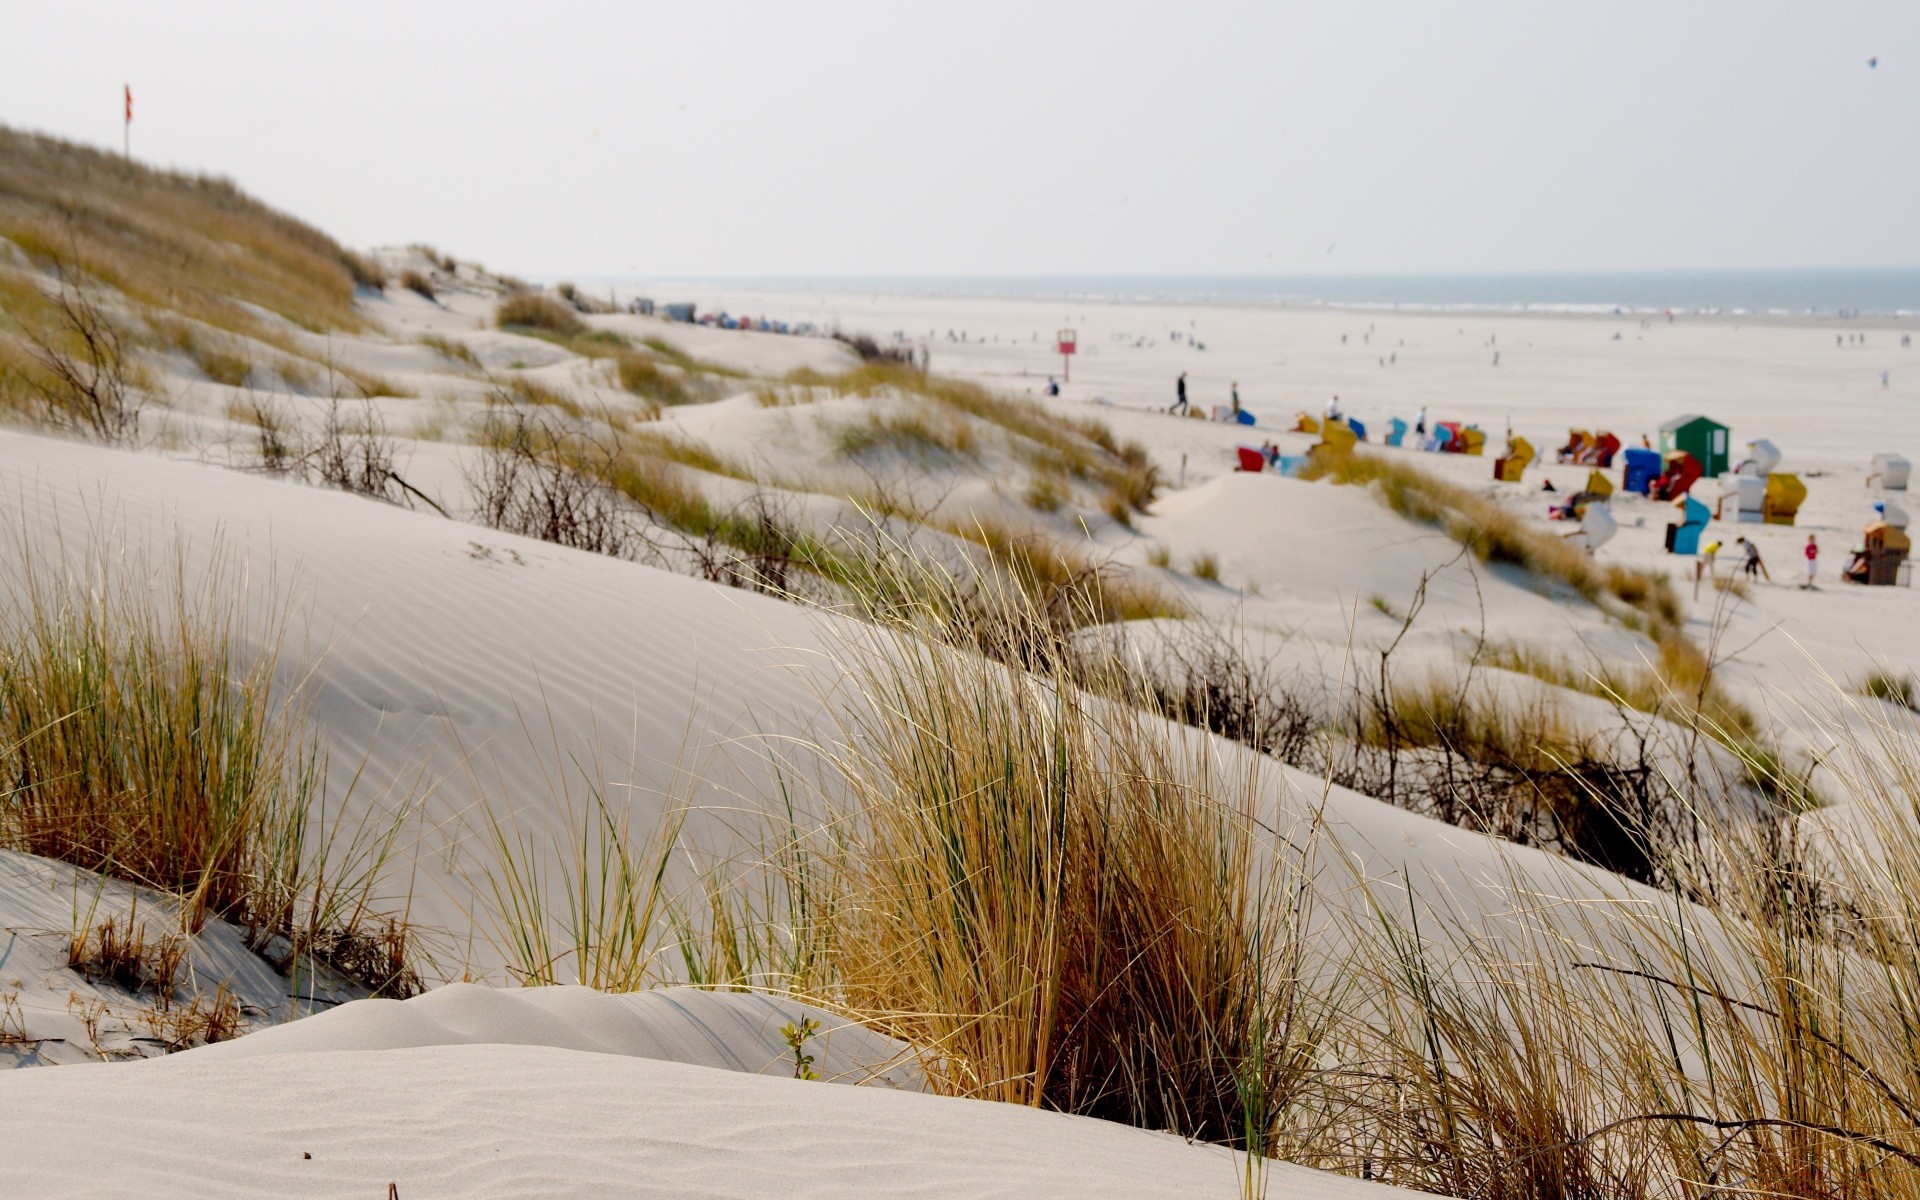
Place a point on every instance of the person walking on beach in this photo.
(1704, 566)
(1813, 562)
(1236, 400)
(1180, 395)
(1751, 566)
(1420, 422)
(1333, 409)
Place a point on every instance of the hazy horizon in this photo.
(858, 139)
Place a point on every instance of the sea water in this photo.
(1875, 292)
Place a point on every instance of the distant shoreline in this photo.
(1887, 298)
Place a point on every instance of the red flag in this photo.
(129, 91)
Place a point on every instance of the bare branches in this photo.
(82, 383)
(528, 481)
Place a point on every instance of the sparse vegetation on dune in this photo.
(451, 350)
(1060, 901)
(180, 243)
(1496, 535)
(1641, 600)
(138, 740)
(911, 432)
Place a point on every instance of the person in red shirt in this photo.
(1813, 561)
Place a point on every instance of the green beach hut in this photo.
(1699, 436)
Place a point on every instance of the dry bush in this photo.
(1201, 676)
(1205, 566)
(139, 741)
(540, 479)
(356, 456)
(79, 374)
(538, 312)
(192, 245)
(280, 448)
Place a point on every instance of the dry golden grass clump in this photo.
(187, 244)
(539, 312)
(648, 379)
(1055, 903)
(419, 284)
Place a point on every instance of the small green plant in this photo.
(1382, 604)
(1205, 566)
(796, 1033)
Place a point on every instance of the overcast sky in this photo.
(1021, 136)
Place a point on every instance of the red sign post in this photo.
(1069, 345)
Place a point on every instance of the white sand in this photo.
(529, 1121)
(515, 675)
